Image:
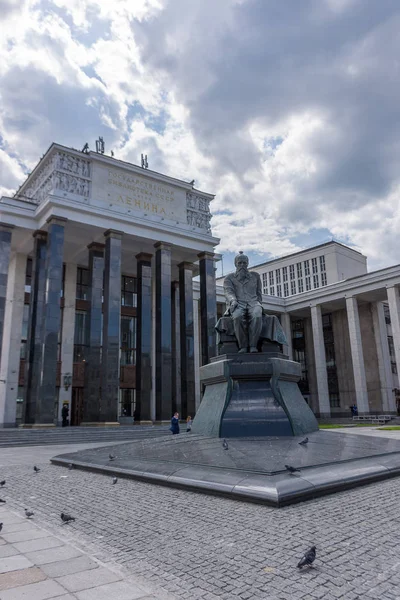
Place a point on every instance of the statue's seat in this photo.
(271, 337)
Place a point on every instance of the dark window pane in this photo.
(128, 340)
(127, 401)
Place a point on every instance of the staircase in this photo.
(78, 435)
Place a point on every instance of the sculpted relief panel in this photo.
(198, 211)
(62, 171)
(73, 164)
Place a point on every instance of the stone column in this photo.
(5, 251)
(68, 335)
(357, 357)
(11, 347)
(143, 338)
(196, 328)
(187, 339)
(394, 309)
(382, 349)
(176, 348)
(35, 328)
(320, 362)
(287, 327)
(208, 307)
(163, 333)
(153, 351)
(47, 396)
(91, 392)
(111, 328)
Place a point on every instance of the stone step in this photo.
(35, 437)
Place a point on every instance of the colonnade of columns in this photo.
(156, 293)
(357, 357)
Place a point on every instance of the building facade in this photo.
(97, 258)
(108, 302)
(342, 324)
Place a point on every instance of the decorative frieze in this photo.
(72, 184)
(63, 172)
(198, 211)
(73, 164)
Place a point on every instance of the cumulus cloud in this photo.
(288, 111)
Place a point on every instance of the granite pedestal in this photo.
(252, 395)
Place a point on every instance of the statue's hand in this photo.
(233, 305)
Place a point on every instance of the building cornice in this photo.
(114, 163)
(353, 286)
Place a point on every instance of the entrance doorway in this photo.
(77, 406)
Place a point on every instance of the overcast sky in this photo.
(287, 110)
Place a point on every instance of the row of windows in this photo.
(128, 287)
(270, 278)
(127, 338)
(296, 287)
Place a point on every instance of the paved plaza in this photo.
(168, 543)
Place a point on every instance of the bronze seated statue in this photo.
(271, 337)
(245, 327)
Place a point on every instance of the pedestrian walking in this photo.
(189, 424)
(175, 424)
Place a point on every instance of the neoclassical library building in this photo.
(109, 299)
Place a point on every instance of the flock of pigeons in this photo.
(289, 468)
(306, 561)
(309, 557)
(65, 518)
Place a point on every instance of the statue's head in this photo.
(241, 261)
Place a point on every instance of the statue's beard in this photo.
(241, 273)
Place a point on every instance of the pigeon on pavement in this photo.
(292, 469)
(70, 466)
(67, 518)
(2, 483)
(36, 469)
(114, 480)
(308, 558)
(29, 513)
(111, 456)
(225, 445)
(304, 442)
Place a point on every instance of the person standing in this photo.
(175, 424)
(65, 414)
(189, 424)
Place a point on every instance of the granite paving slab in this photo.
(40, 544)
(67, 567)
(120, 590)
(92, 578)
(7, 550)
(51, 555)
(251, 468)
(43, 590)
(14, 579)
(14, 563)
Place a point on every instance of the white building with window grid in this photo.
(310, 269)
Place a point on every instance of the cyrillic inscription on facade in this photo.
(142, 194)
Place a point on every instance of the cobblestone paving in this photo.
(196, 546)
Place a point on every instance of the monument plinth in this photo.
(253, 394)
